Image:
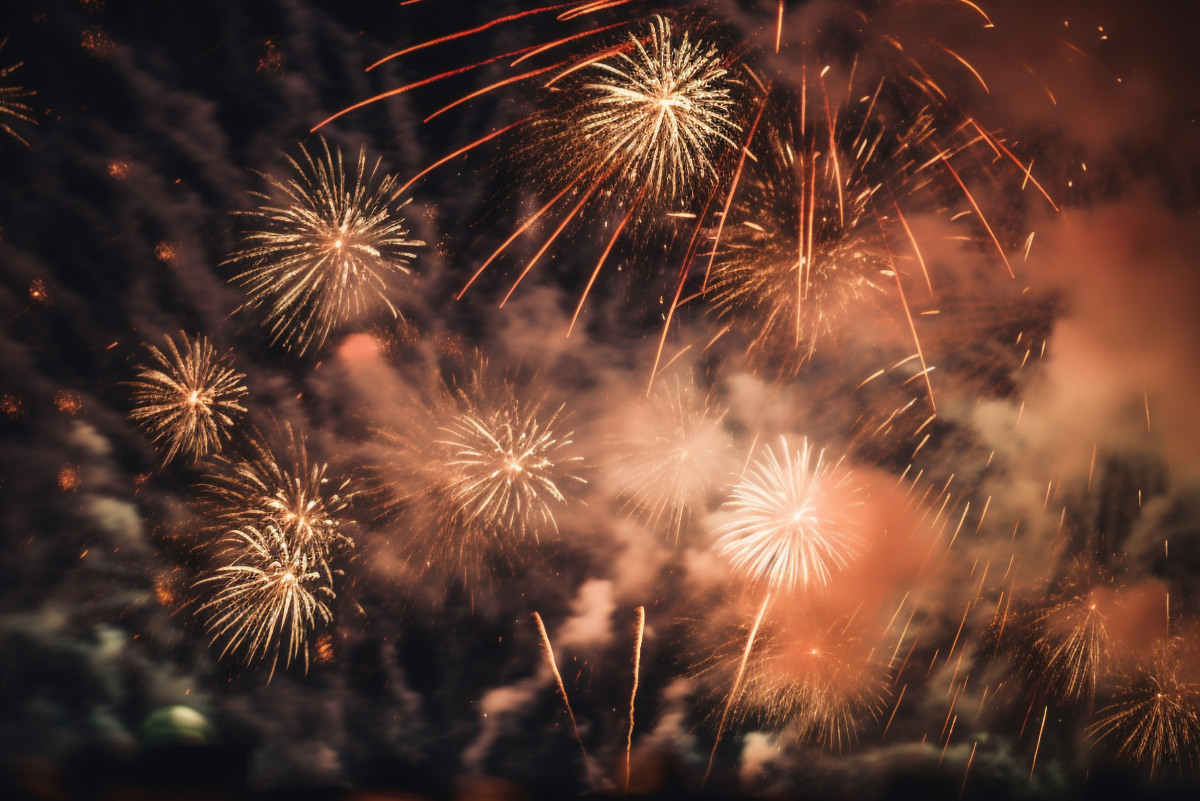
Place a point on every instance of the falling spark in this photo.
(1038, 745)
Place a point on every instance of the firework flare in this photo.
(475, 470)
(1155, 720)
(505, 462)
(189, 399)
(322, 250)
(792, 520)
(12, 102)
(268, 600)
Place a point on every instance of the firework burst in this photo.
(474, 470)
(656, 113)
(673, 453)
(1156, 719)
(322, 250)
(792, 521)
(505, 462)
(189, 399)
(801, 249)
(292, 495)
(12, 102)
(268, 599)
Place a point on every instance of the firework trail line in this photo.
(561, 687)
(737, 682)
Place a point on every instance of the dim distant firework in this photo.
(801, 249)
(783, 529)
(672, 454)
(189, 399)
(268, 600)
(12, 102)
(321, 251)
(816, 681)
(1156, 718)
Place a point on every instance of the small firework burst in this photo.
(292, 494)
(506, 460)
(322, 251)
(673, 452)
(12, 102)
(268, 599)
(656, 113)
(790, 523)
(188, 400)
(1155, 720)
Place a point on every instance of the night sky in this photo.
(1043, 464)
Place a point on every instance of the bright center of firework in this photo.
(515, 466)
(337, 243)
(194, 397)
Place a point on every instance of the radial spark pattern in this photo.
(658, 112)
(1156, 719)
(291, 493)
(322, 250)
(268, 599)
(186, 402)
(12, 102)
(506, 461)
(671, 455)
(788, 526)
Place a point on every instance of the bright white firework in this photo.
(790, 526)
(659, 111)
(324, 251)
(268, 600)
(188, 400)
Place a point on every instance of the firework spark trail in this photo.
(189, 399)
(637, 665)
(1036, 747)
(790, 523)
(12, 102)
(329, 254)
(737, 682)
(561, 687)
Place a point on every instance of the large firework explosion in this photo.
(800, 207)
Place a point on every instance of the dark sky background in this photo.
(1079, 375)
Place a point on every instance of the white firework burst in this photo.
(789, 526)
